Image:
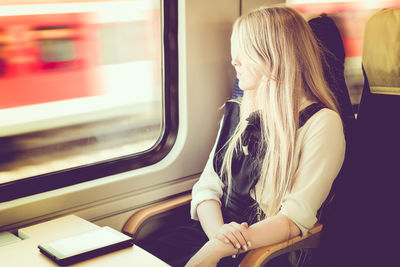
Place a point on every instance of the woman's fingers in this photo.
(233, 238)
(236, 234)
(222, 238)
(242, 235)
(247, 235)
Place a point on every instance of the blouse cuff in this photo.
(301, 216)
(207, 188)
(203, 196)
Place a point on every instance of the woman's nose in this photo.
(235, 62)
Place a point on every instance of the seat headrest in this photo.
(333, 56)
(326, 31)
(381, 52)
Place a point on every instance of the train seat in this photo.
(378, 142)
(333, 69)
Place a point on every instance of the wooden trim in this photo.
(137, 219)
(258, 256)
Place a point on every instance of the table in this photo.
(26, 253)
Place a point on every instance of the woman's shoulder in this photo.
(324, 121)
(326, 115)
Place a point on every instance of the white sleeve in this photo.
(321, 157)
(209, 186)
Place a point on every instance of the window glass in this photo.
(83, 84)
(350, 17)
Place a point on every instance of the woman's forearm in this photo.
(210, 216)
(273, 230)
(266, 232)
(263, 233)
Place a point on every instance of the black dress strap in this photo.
(308, 112)
(229, 123)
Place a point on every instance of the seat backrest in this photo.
(378, 139)
(380, 103)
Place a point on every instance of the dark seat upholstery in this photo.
(237, 92)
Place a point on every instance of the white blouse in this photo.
(321, 148)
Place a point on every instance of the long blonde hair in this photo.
(281, 46)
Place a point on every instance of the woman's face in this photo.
(248, 77)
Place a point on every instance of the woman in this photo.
(278, 150)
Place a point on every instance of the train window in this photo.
(350, 17)
(92, 90)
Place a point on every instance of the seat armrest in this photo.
(262, 255)
(134, 223)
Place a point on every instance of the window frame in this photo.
(55, 180)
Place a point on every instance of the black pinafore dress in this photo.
(246, 164)
(178, 245)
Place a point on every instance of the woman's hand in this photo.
(235, 234)
(210, 254)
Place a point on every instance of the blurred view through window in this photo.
(80, 83)
(350, 17)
